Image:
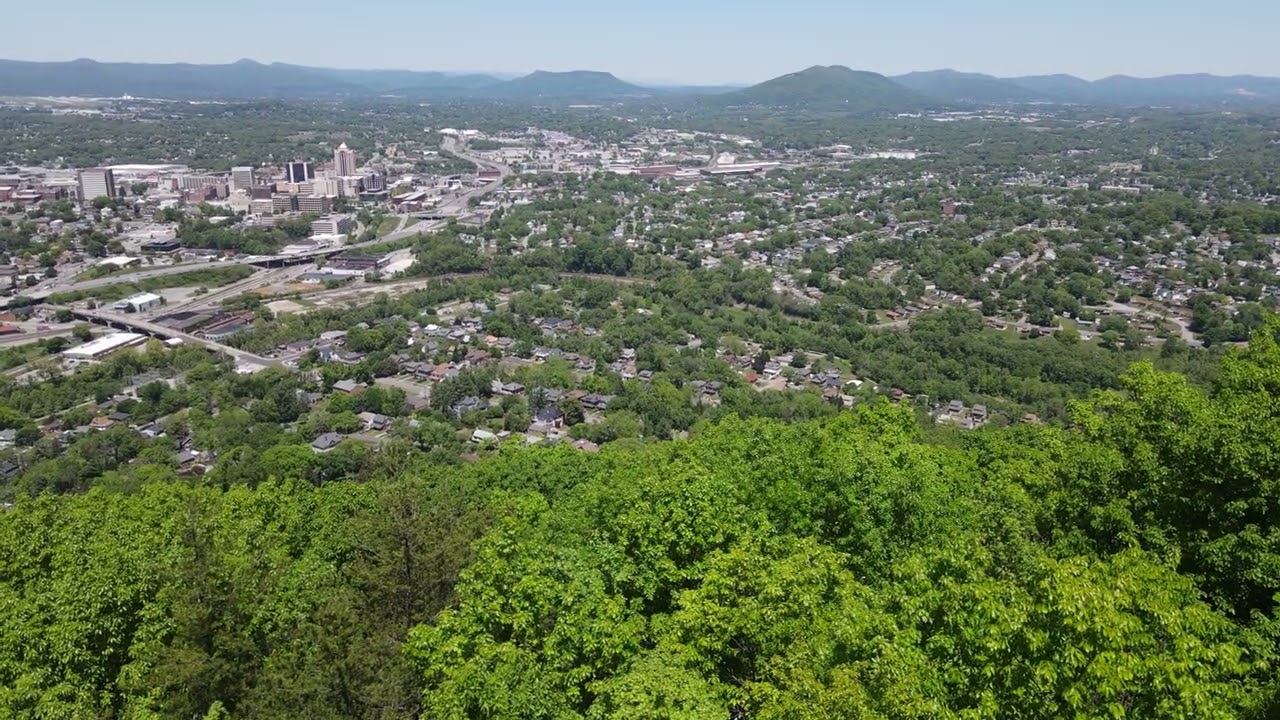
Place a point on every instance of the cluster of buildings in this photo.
(294, 187)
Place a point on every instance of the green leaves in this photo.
(1125, 568)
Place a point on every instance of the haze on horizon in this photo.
(667, 41)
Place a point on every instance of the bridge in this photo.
(136, 324)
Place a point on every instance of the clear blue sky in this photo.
(693, 41)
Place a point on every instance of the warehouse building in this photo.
(142, 302)
(95, 350)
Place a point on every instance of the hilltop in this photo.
(835, 87)
(575, 84)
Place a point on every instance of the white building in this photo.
(142, 302)
(242, 178)
(333, 225)
(120, 261)
(94, 350)
(96, 183)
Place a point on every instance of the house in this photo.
(585, 446)
(309, 399)
(151, 430)
(350, 387)
(8, 438)
(512, 388)
(102, 422)
(468, 404)
(551, 415)
(375, 422)
(417, 403)
(955, 407)
(326, 442)
(979, 413)
(183, 458)
(547, 420)
(480, 435)
(596, 401)
(8, 470)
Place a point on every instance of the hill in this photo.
(834, 88)
(572, 85)
(1054, 87)
(959, 86)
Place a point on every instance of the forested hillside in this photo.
(1127, 566)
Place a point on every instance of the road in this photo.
(35, 336)
(1184, 326)
(55, 285)
(214, 297)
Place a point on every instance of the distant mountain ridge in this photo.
(961, 86)
(831, 88)
(1198, 89)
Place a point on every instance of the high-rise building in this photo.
(96, 183)
(283, 203)
(374, 183)
(299, 172)
(333, 225)
(320, 204)
(242, 178)
(344, 161)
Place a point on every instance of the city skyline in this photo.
(667, 42)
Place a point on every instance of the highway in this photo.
(214, 297)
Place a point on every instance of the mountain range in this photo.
(833, 88)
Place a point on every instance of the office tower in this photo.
(344, 161)
(242, 178)
(299, 172)
(284, 203)
(374, 183)
(96, 183)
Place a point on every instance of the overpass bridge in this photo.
(133, 323)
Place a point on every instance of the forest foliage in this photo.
(1125, 566)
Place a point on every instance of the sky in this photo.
(676, 41)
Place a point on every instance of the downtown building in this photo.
(344, 161)
(96, 183)
(299, 172)
(242, 178)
